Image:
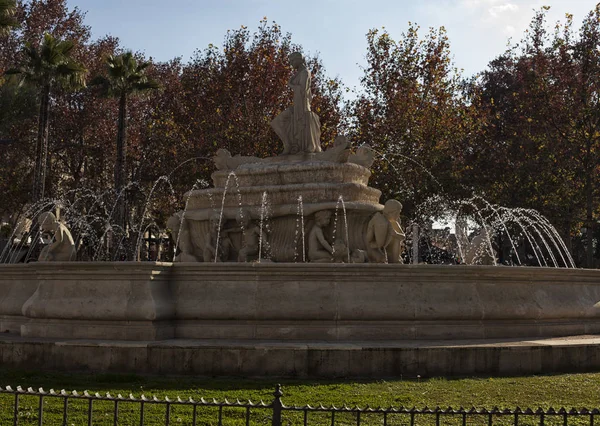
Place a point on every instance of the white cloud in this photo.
(502, 8)
(479, 30)
(476, 3)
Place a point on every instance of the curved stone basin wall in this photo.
(340, 302)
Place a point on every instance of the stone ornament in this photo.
(224, 161)
(338, 153)
(251, 237)
(218, 244)
(288, 190)
(319, 249)
(476, 251)
(62, 248)
(298, 127)
(365, 156)
(385, 237)
(180, 234)
(340, 251)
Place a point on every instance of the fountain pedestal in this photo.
(271, 192)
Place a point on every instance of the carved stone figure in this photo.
(180, 233)
(224, 161)
(62, 247)
(251, 236)
(474, 252)
(338, 153)
(210, 252)
(298, 127)
(365, 156)
(319, 249)
(385, 236)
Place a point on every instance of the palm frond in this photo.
(146, 85)
(71, 74)
(51, 62)
(8, 6)
(126, 75)
(16, 76)
(7, 23)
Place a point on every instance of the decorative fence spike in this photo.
(331, 409)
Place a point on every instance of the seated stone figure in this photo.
(180, 234)
(251, 236)
(385, 236)
(319, 249)
(62, 247)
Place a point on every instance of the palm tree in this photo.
(47, 67)
(126, 76)
(7, 12)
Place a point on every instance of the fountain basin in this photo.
(301, 320)
(329, 302)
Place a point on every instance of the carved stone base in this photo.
(283, 196)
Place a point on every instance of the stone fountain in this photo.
(290, 266)
(288, 191)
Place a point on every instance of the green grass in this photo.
(568, 390)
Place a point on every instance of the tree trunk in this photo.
(41, 146)
(120, 166)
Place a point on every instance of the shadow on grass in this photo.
(110, 381)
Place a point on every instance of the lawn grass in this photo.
(567, 390)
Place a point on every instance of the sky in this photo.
(478, 30)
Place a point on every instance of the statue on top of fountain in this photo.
(297, 126)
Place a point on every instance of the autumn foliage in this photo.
(524, 132)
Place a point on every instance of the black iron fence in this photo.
(28, 406)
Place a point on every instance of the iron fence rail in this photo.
(274, 413)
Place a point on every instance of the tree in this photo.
(232, 93)
(411, 111)
(126, 76)
(17, 117)
(541, 98)
(82, 122)
(47, 67)
(7, 12)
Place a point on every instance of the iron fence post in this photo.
(277, 406)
